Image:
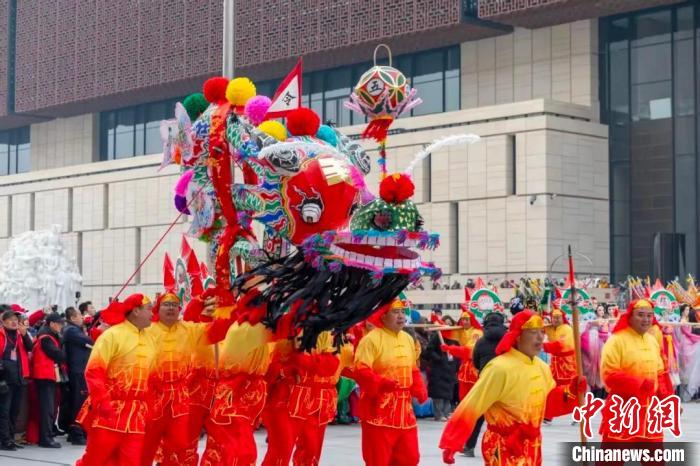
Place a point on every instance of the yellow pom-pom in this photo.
(274, 128)
(239, 90)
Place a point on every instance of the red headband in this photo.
(376, 318)
(624, 320)
(522, 320)
(116, 312)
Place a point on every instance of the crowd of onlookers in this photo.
(42, 374)
(444, 284)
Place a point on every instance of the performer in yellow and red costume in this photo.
(513, 392)
(386, 370)
(117, 376)
(241, 390)
(632, 366)
(299, 423)
(560, 345)
(202, 379)
(176, 341)
(467, 338)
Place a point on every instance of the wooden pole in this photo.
(577, 338)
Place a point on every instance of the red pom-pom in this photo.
(303, 122)
(214, 89)
(396, 188)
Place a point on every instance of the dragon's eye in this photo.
(311, 211)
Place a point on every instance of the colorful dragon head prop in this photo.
(304, 183)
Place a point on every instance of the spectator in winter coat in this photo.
(484, 351)
(15, 344)
(46, 366)
(442, 376)
(77, 345)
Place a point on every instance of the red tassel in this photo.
(377, 129)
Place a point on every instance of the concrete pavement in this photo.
(342, 445)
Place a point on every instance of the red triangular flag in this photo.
(193, 266)
(196, 286)
(288, 94)
(185, 249)
(467, 297)
(203, 270)
(168, 274)
(479, 284)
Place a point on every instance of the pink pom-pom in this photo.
(181, 185)
(256, 108)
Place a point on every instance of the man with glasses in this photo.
(175, 342)
(388, 375)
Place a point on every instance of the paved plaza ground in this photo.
(342, 446)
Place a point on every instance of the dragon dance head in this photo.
(351, 252)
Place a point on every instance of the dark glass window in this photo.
(338, 86)
(649, 98)
(434, 73)
(652, 28)
(132, 131)
(428, 79)
(14, 151)
(651, 63)
(651, 101)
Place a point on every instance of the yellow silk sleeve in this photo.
(103, 350)
(367, 351)
(611, 357)
(487, 391)
(196, 331)
(417, 350)
(567, 337)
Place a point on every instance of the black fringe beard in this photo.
(330, 301)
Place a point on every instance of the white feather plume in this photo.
(438, 144)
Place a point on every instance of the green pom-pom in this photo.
(195, 104)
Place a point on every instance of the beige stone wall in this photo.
(111, 215)
(64, 141)
(557, 62)
(557, 157)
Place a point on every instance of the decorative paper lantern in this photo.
(382, 89)
(382, 94)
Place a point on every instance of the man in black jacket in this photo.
(77, 345)
(484, 351)
(47, 360)
(15, 344)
